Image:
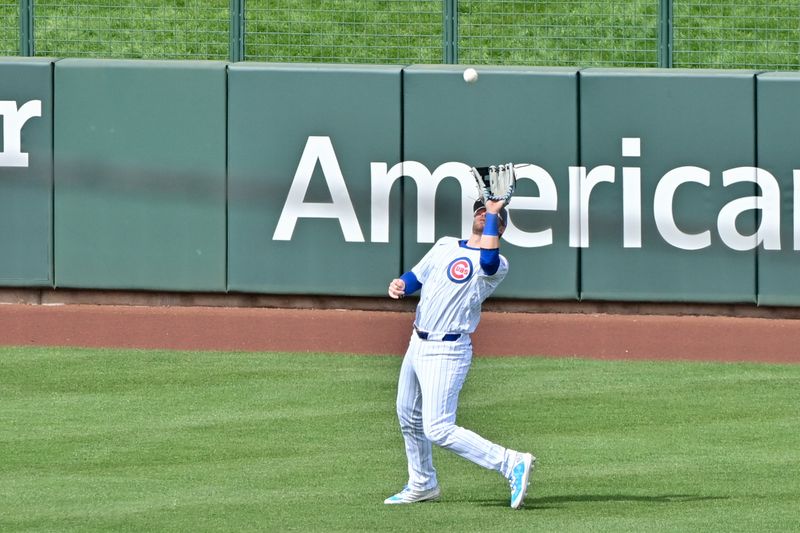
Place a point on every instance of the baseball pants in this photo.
(431, 378)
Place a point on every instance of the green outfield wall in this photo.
(636, 185)
(140, 151)
(26, 172)
(301, 141)
(663, 244)
(777, 152)
(513, 115)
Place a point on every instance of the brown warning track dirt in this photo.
(604, 336)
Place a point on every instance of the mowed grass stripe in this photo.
(98, 440)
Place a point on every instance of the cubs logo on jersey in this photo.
(460, 270)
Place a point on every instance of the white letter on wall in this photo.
(632, 195)
(580, 189)
(768, 202)
(341, 208)
(663, 213)
(427, 183)
(546, 201)
(13, 121)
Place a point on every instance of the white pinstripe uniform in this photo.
(434, 370)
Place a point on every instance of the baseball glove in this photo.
(496, 182)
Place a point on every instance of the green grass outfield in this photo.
(98, 440)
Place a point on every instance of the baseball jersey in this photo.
(453, 287)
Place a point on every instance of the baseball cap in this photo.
(503, 214)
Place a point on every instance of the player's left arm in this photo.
(412, 281)
(404, 285)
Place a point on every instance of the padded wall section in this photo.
(302, 143)
(667, 234)
(140, 174)
(26, 171)
(779, 155)
(511, 114)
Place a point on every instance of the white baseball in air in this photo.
(470, 75)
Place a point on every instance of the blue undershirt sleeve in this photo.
(412, 283)
(492, 226)
(490, 260)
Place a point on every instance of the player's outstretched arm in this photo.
(490, 239)
(491, 234)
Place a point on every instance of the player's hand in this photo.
(397, 288)
(494, 206)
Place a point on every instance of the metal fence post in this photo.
(236, 31)
(665, 34)
(451, 32)
(26, 28)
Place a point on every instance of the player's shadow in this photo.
(555, 502)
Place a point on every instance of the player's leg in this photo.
(441, 377)
(421, 473)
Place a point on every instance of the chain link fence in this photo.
(189, 29)
(737, 34)
(559, 33)
(9, 27)
(349, 31)
(760, 34)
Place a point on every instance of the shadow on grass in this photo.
(551, 502)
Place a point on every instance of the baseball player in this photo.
(454, 277)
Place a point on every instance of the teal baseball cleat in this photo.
(520, 478)
(408, 495)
